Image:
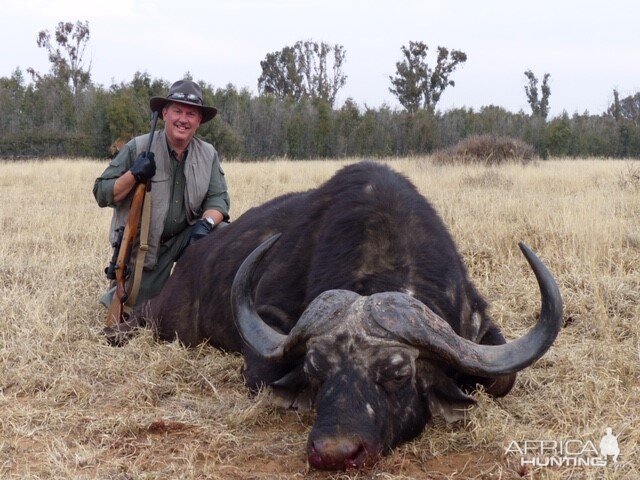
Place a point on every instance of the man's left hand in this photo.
(199, 230)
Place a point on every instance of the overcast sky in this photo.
(588, 47)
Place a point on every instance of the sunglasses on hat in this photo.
(184, 96)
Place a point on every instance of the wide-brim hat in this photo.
(187, 92)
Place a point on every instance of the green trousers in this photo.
(154, 279)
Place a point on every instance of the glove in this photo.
(199, 230)
(144, 167)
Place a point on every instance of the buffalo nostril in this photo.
(336, 453)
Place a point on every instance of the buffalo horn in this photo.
(263, 339)
(328, 309)
(412, 321)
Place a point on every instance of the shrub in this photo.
(629, 178)
(486, 149)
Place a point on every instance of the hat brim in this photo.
(158, 103)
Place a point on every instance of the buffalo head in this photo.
(376, 367)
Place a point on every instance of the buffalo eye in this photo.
(316, 367)
(395, 373)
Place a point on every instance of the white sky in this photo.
(589, 47)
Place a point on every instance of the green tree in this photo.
(281, 75)
(308, 68)
(416, 83)
(626, 113)
(627, 108)
(323, 129)
(67, 56)
(615, 109)
(128, 110)
(12, 92)
(558, 133)
(539, 105)
(347, 119)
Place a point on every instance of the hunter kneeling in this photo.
(190, 198)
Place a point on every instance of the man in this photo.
(188, 190)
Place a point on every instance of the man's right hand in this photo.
(144, 167)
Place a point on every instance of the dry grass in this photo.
(72, 407)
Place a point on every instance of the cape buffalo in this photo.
(352, 300)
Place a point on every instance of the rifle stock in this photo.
(116, 313)
(116, 310)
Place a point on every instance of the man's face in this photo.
(181, 122)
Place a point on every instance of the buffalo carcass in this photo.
(362, 308)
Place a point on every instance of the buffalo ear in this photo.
(292, 391)
(444, 396)
(293, 380)
(500, 385)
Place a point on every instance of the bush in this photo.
(486, 149)
(629, 178)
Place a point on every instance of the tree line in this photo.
(63, 113)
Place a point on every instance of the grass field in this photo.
(73, 407)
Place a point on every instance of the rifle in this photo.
(120, 271)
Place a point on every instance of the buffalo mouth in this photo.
(341, 453)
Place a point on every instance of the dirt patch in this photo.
(160, 426)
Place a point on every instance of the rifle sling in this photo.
(142, 250)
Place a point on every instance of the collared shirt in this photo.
(176, 220)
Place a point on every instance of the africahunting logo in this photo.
(567, 453)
